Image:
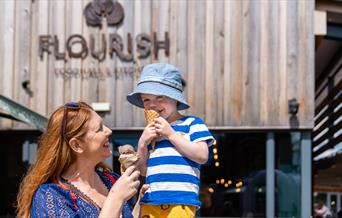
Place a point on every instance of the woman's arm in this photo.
(123, 189)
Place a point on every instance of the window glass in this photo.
(17, 149)
(287, 174)
(233, 182)
(333, 201)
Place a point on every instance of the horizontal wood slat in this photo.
(328, 113)
(329, 145)
(329, 134)
(334, 92)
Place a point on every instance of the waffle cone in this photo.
(128, 156)
(149, 117)
(126, 160)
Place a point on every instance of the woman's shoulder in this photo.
(51, 199)
(51, 189)
(48, 186)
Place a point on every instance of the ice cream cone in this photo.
(149, 117)
(127, 160)
(128, 157)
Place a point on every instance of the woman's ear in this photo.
(75, 145)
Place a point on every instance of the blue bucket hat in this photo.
(159, 79)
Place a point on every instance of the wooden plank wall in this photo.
(242, 60)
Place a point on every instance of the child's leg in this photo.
(177, 211)
(151, 211)
(167, 211)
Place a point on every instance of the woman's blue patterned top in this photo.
(51, 200)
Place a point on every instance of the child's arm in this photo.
(145, 139)
(195, 151)
(136, 209)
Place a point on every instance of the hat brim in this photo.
(155, 88)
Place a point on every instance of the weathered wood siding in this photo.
(243, 60)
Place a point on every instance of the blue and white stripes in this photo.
(173, 178)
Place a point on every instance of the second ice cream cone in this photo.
(127, 157)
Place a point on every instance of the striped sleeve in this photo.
(198, 131)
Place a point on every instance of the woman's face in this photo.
(96, 141)
(165, 106)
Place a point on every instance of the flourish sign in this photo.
(112, 45)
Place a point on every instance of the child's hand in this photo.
(148, 135)
(163, 128)
(143, 189)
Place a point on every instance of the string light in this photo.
(222, 181)
(217, 164)
(217, 181)
(214, 150)
(211, 190)
(239, 184)
(215, 156)
(238, 190)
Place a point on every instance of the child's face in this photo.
(165, 106)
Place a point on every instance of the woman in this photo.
(69, 177)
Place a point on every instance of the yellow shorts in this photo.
(167, 211)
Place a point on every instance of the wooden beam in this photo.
(8, 116)
(320, 23)
(318, 188)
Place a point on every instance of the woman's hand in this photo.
(123, 189)
(127, 185)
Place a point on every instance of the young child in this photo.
(173, 169)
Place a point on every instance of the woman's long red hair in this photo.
(54, 155)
